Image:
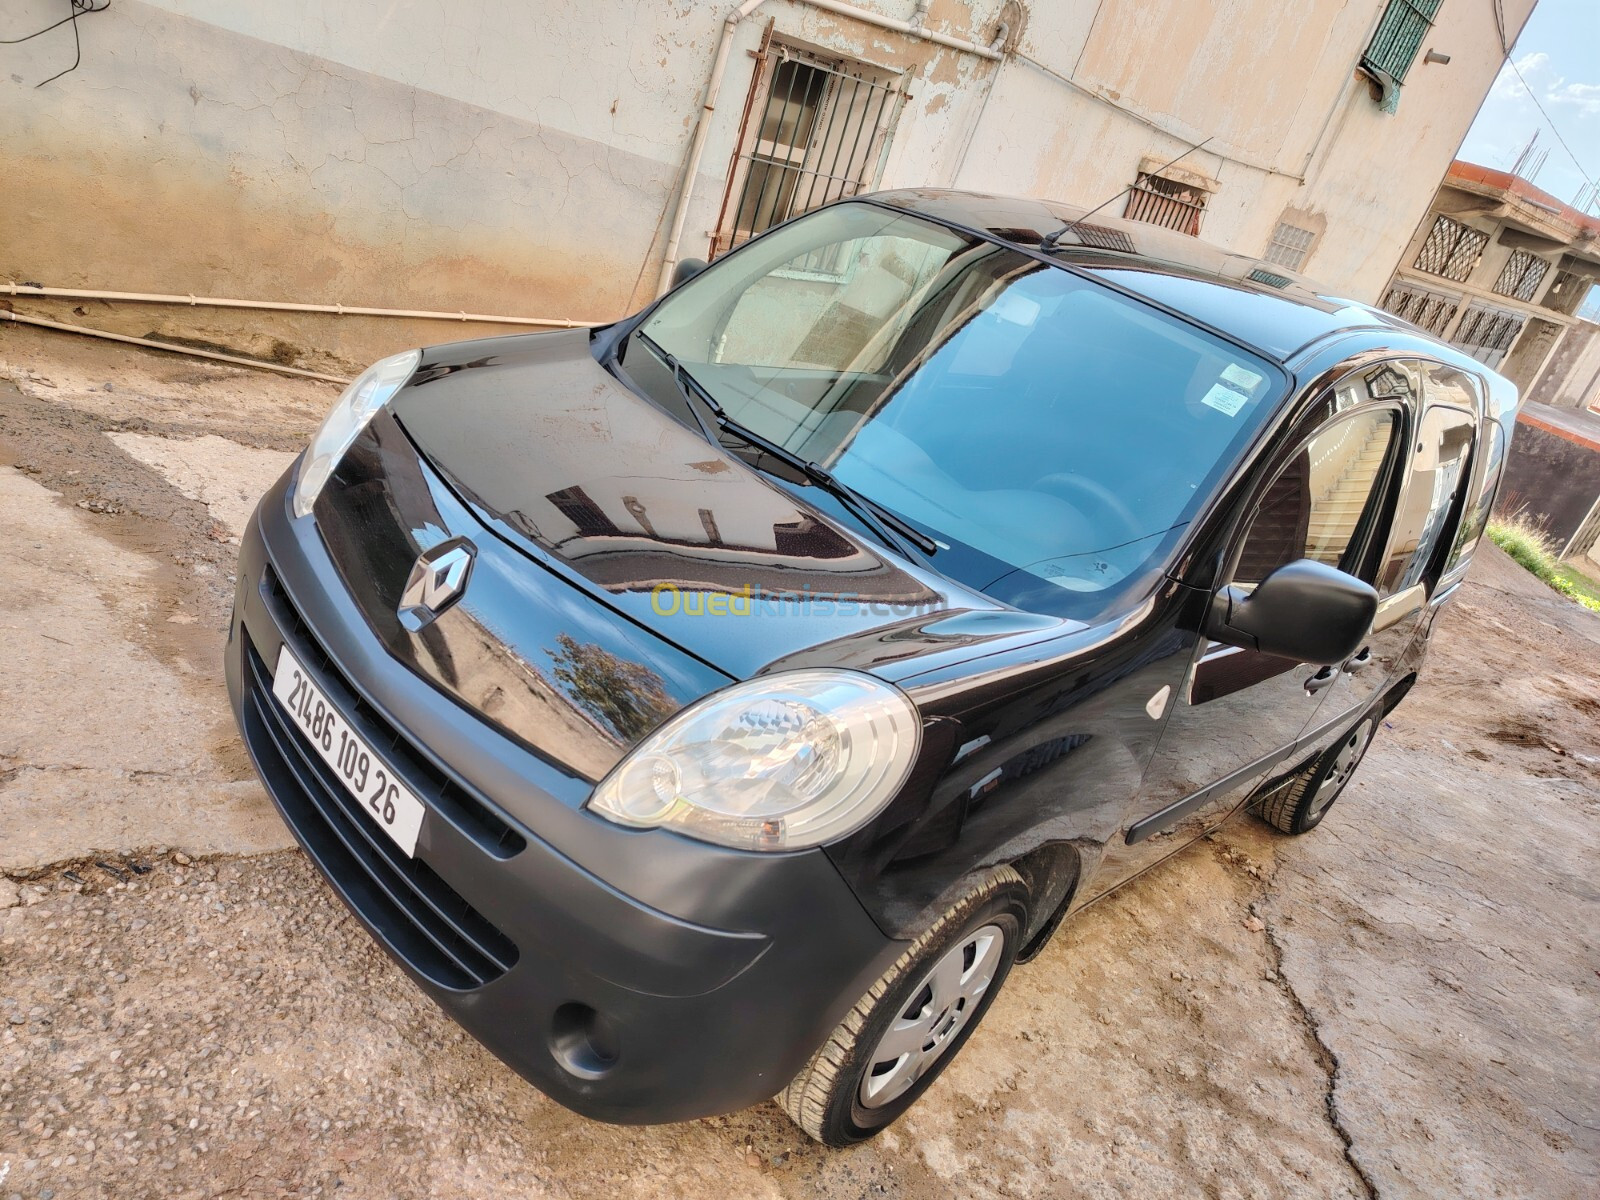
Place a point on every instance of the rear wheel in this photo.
(1299, 806)
(911, 1023)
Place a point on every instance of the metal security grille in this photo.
(1487, 333)
(1399, 36)
(1452, 249)
(1521, 276)
(1098, 237)
(813, 131)
(1289, 246)
(1269, 278)
(1422, 306)
(1166, 202)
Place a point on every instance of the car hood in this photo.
(560, 459)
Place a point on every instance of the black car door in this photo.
(1427, 514)
(1240, 713)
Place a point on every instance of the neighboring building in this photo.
(536, 156)
(1499, 268)
(1571, 377)
(1552, 476)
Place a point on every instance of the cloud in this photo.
(1585, 97)
(1507, 86)
(1553, 89)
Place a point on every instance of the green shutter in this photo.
(1394, 46)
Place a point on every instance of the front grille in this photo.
(419, 916)
(464, 810)
(437, 933)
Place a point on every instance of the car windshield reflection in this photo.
(1050, 434)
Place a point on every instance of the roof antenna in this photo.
(1048, 242)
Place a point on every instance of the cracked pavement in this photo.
(1401, 1004)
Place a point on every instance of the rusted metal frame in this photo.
(821, 145)
(759, 55)
(755, 152)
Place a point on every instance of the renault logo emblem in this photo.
(436, 582)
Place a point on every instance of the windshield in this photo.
(1050, 435)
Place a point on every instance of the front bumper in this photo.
(635, 977)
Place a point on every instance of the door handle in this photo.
(1360, 661)
(1320, 680)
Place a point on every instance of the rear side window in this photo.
(1476, 518)
(1318, 505)
(1438, 467)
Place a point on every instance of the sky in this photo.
(1558, 55)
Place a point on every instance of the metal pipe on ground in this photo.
(170, 347)
(344, 310)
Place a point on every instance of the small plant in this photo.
(1534, 550)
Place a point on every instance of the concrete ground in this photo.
(1401, 1004)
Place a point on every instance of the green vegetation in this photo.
(1529, 545)
(1585, 589)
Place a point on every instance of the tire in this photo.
(848, 1092)
(1298, 806)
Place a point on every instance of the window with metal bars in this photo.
(1423, 307)
(1451, 250)
(1399, 36)
(1521, 276)
(1488, 333)
(1166, 202)
(814, 130)
(1289, 246)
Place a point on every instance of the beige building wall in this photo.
(1295, 132)
(522, 156)
(1572, 377)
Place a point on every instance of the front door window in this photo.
(1321, 501)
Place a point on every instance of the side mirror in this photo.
(1306, 610)
(687, 269)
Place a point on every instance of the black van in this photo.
(716, 705)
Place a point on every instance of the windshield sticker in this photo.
(1224, 399)
(1016, 309)
(1245, 381)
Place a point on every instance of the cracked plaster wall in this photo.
(504, 156)
(488, 156)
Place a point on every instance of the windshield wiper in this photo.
(869, 510)
(688, 387)
(887, 525)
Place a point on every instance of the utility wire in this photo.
(78, 8)
(1582, 170)
(1048, 242)
(1506, 49)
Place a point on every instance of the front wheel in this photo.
(911, 1023)
(1299, 806)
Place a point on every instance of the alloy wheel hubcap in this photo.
(940, 1007)
(1344, 765)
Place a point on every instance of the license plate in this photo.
(365, 776)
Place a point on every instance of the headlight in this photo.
(781, 762)
(372, 389)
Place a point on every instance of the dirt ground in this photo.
(1402, 1004)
